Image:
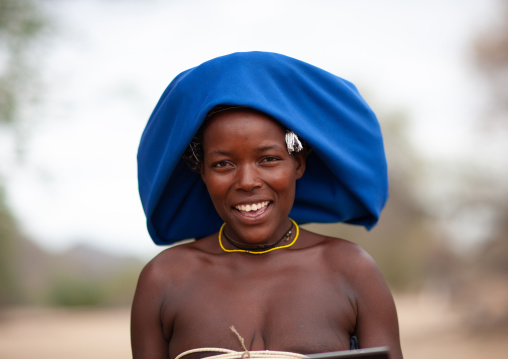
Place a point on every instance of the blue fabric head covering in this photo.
(346, 175)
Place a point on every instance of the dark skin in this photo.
(308, 298)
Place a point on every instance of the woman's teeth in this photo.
(251, 207)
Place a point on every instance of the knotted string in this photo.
(246, 353)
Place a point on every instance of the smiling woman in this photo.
(238, 120)
(250, 175)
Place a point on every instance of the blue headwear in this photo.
(346, 174)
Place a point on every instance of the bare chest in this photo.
(281, 307)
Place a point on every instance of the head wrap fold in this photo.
(346, 175)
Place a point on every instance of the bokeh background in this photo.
(78, 80)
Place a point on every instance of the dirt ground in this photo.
(430, 328)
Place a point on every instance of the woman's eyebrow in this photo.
(269, 147)
(220, 152)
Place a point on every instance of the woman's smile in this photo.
(252, 207)
(253, 211)
(249, 174)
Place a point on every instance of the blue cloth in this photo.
(346, 176)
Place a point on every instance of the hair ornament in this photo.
(293, 143)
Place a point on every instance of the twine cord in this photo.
(231, 354)
(246, 353)
(255, 354)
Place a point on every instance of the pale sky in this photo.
(109, 62)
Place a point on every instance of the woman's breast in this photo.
(298, 313)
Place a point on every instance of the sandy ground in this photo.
(429, 327)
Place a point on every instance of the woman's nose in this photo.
(248, 178)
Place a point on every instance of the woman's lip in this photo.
(249, 206)
(253, 215)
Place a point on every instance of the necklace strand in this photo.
(258, 247)
(258, 252)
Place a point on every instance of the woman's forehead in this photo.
(236, 119)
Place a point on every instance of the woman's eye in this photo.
(220, 164)
(270, 159)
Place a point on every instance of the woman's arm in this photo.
(377, 323)
(147, 336)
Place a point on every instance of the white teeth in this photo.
(251, 207)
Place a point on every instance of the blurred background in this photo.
(79, 79)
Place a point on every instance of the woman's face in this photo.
(250, 175)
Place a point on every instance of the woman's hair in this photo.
(193, 155)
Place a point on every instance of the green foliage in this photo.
(9, 290)
(21, 25)
(120, 289)
(70, 290)
(74, 292)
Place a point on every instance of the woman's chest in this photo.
(291, 309)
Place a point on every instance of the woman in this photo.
(273, 142)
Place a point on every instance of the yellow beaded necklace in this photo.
(261, 252)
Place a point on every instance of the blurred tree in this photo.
(492, 57)
(404, 244)
(491, 48)
(21, 25)
(482, 189)
(9, 290)
(472, 199)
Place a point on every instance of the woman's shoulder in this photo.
(173, 263)
(335, 244)
(343, 255)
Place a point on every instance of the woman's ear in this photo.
(301, 160)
